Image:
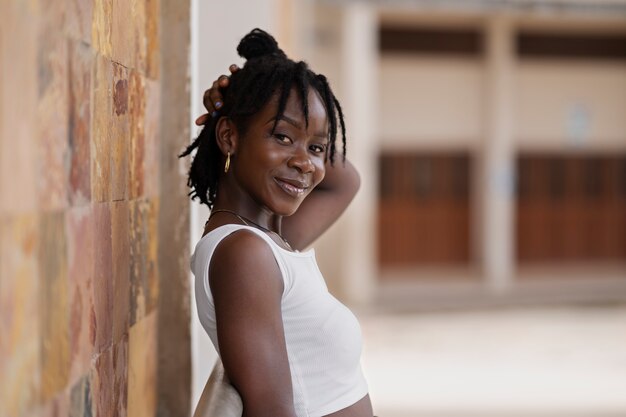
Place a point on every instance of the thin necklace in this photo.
(250, 223)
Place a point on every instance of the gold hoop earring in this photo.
(227, 163)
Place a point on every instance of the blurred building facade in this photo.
(492, 140)
(490, 137)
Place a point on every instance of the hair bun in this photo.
(259, 43)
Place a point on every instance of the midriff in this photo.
(361, 408)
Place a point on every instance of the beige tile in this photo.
(52, 113)
(59, 406)
(18, 119)
(142, 355)
(53, 304)
(152, 38)
(152, 139)
(19, 309)
(137, 107)
(101, 26)
(138, 9)
(80, 246)
(101, 129)
(143, 258)
(123, 40)
(79, 18)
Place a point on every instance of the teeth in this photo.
(291, 189)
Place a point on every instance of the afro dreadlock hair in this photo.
(267, 73)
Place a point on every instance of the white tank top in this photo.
(322, 335)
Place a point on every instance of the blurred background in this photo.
(485, 255)
(486, 252)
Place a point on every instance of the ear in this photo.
(226, 135)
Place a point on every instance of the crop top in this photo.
(323, 337)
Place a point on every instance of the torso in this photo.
(361, 408)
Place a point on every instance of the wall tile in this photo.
(101, 380)
(143, 258)
(52, 112)
(120, 219)
(120, 377)
(122, 34)
(81, 63)
(137, 107)
(53, 15)
(59, 406)
(53, 302)
(101, 26)
(80, 398)
(140, 49)
(101, 129)
(103, 278)
(79, 17)
(19, 344)
(79, 122)
(120, 134)
(142, 367)
(152, 139)
(151, 254)
(18, 116)
(152, 38)
(80, 245)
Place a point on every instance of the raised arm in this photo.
(323, 206)
(247, 286)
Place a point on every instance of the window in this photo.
(411, 40)
(588, 46)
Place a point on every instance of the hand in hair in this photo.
(212, 98)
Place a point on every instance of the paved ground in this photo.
(522, 362)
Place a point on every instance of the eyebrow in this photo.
(297, 124)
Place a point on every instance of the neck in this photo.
(249, 210)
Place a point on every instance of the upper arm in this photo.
(247, 287)
(323, 206)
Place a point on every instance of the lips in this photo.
(293, 187)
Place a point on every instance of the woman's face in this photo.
(278, 170)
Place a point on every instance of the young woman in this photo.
(267, 167)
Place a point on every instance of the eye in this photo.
(318, 148)
(283, 138)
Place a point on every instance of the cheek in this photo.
(320, 171)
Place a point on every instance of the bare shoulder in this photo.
(247, 289)
(243, 260)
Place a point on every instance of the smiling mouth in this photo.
(291, 189)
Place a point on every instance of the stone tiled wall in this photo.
(93, 208)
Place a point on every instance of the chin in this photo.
(286, 209)
(283, 205)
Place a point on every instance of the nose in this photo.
(301, 161)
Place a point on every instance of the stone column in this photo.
(359, 63)
(495, 163)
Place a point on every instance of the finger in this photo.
(207, 99)
(200, 121)
(223, 81)
(215, 94)
(233, 68)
